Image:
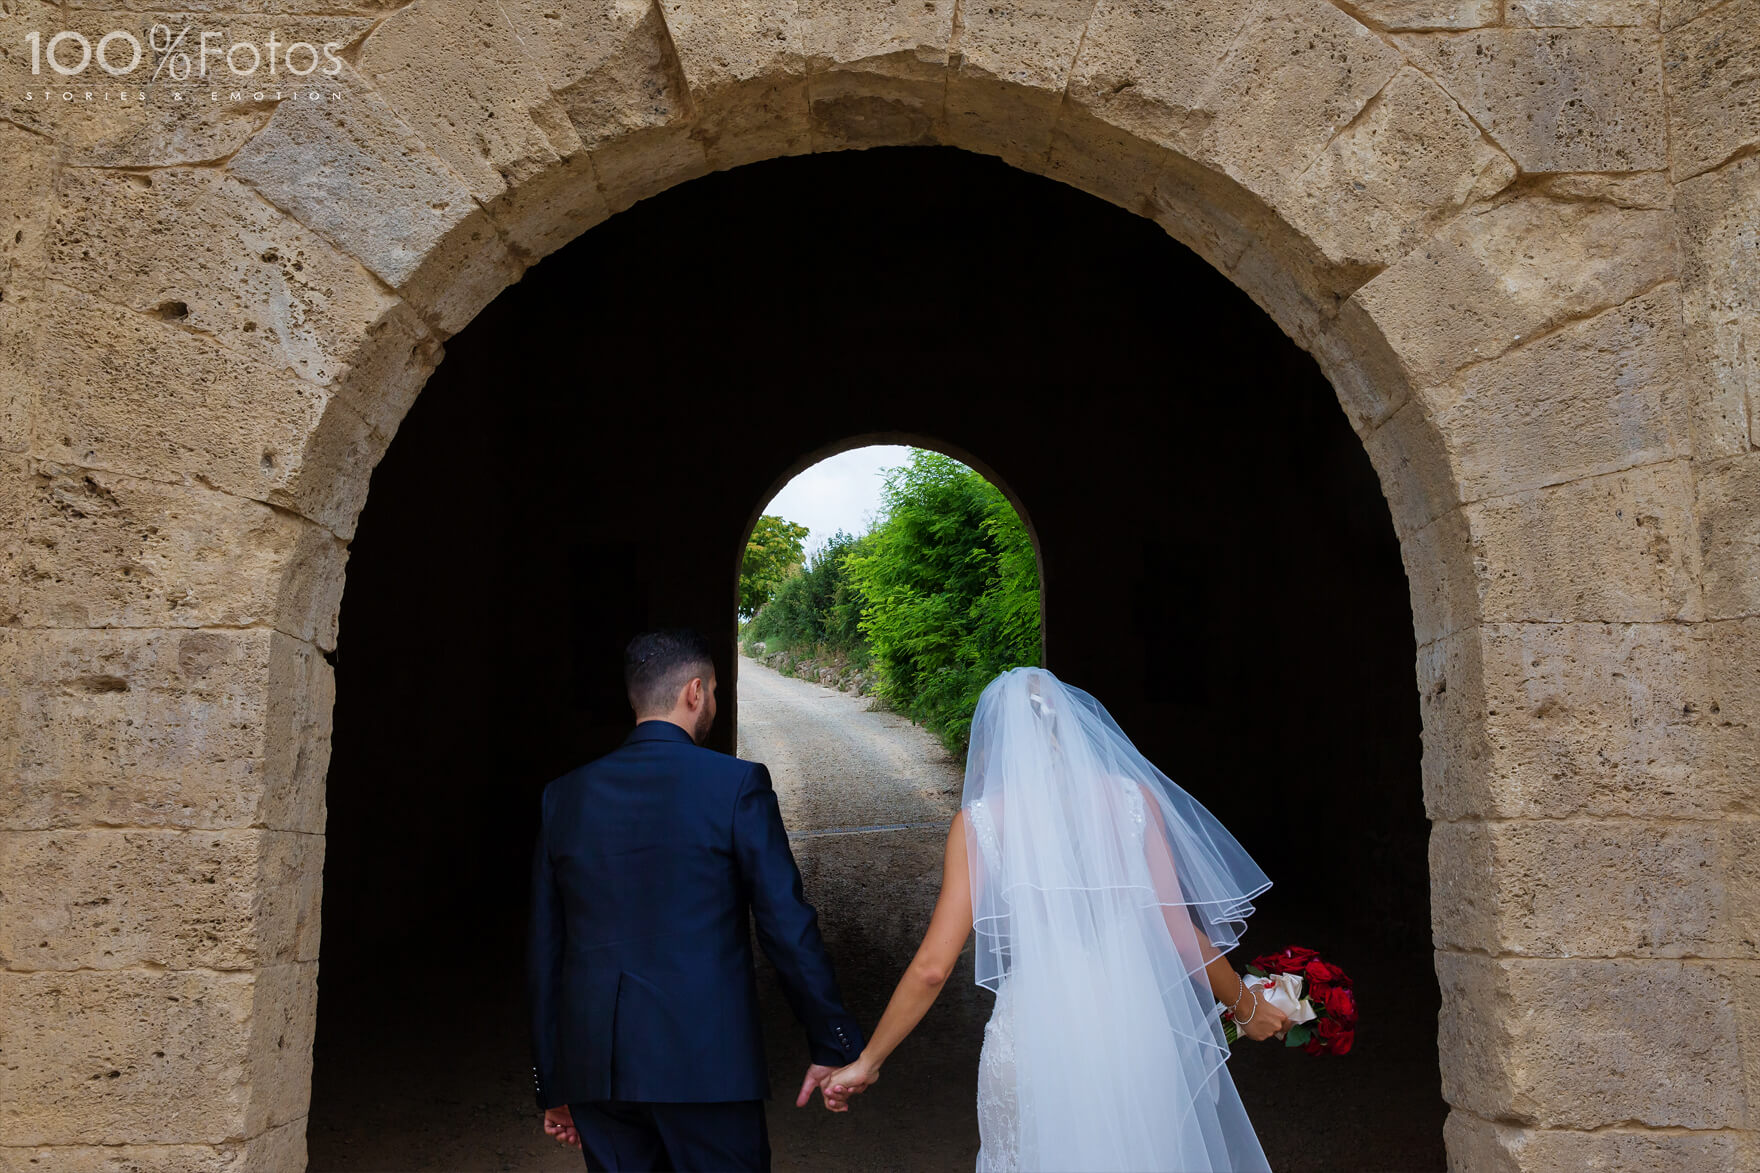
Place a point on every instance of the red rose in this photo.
(1341, 1004)
(1325, 974)
(1314, 1047)
(1334, 1035)
(1289, 960)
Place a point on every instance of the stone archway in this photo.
(1537, 311)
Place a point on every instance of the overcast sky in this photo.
(842, 492)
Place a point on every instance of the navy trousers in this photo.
(622, 1137)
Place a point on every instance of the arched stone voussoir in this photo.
(1499, 275)
(1310, 111)
(745, 65)
(462, 74)
(876, 76)
(355, 173)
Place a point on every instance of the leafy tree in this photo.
(950, 591)
(815, 608)
(772, 554)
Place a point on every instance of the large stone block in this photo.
(1442, 575)
(458, 72)
(612, 66)
(177, 728)
(1485, 1146)
(1584, 99)
(1586, 1044)
(1616, 887)
(231, 266)
(1713, 69)
(1614, 548)
(155, 1057)
(877, 76)
(108, 550)
(746, 66)
(1729, 533)
(1009, 69)
(114, 899)
(1491, 279)
(279, 1149)
(1116, 165)
(1145, 69)
(148, 397)
(1596, 396)
(1299, 74)
(1417, 472)
(1569, 719)
(355, 173)
(1256, 92)
(1718, 218)
(1393, 176)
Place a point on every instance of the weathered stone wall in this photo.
(1518, 235)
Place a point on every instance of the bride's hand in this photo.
(1267, 1021)
(853, 1080)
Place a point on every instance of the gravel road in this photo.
(867, 798)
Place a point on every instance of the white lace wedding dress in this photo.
(999, 1137)
(1101, 1052)
(999, 1123)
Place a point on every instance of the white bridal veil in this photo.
(1100, 889)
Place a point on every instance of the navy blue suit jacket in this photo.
(640, 981)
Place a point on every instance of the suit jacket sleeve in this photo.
(788, 928)
(544, 942)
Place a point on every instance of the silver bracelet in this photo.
(1240, 1022)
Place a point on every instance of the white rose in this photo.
(1284, 991)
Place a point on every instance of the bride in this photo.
(1103, 897)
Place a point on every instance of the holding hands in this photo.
(853, 1080)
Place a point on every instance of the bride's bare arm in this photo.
(921, 984)
(1225, 983)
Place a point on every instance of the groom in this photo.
(646, 1046)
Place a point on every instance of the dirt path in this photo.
(839, 762)
(867, 798)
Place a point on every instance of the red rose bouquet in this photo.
(1323, 1017)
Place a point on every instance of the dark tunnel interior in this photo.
(1220, 569)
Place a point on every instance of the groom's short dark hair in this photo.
(659, 663)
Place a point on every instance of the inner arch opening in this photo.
(1219, 564)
